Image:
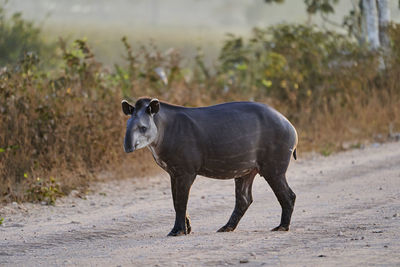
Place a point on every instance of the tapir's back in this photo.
(241, 122)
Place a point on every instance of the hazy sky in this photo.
(223, 14)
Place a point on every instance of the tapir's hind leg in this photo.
(285, 196)
(243, 200)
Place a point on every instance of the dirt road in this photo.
(347, 213)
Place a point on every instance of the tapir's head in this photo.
(140, 129)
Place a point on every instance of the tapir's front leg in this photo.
(180, 185)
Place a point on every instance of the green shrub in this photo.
(18, 37)
(296, 64)
(46, 191)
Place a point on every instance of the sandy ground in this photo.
(347, 213)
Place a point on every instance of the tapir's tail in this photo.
(296, 141)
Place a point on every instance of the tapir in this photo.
(233, 140)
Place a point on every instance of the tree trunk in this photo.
(371, 23)
(384, 19)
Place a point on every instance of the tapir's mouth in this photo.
(129, 147)
(129, 150)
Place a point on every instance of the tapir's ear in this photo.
(127, 108)
(154, 106)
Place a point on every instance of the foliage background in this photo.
(60, 119)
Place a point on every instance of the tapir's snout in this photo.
(128, 150)
(128, 146)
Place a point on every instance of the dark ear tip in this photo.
(126, 107)
(154, 106)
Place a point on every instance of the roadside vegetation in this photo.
(61, 122)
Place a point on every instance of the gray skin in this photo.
(228, 141)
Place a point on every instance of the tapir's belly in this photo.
(229, 165)
(226, 174)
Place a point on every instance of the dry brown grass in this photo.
(66, 125)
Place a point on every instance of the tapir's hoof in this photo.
(226, 229)
(175, 232)
(281, 228)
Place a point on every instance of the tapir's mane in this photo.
(146, 100)
(141, 103)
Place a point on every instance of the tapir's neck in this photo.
(161, 122)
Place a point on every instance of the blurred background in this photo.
(184, 25)
(330, 66)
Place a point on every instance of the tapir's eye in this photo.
(142, 129)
